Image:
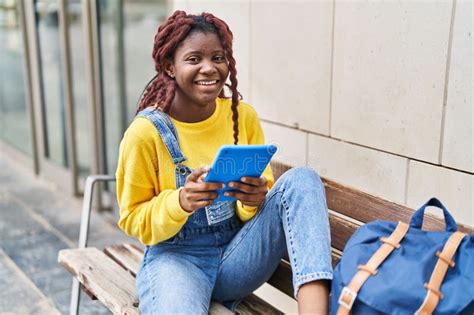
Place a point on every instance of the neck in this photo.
(189, 112)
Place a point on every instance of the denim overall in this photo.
(215, 256)
(210, 215)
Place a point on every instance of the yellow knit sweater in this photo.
(146, 187)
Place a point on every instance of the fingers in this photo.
(251, 191)
(201, 204)
(202, 178)
(196, 193)
(197, 177)
(198, 196)
(191, 201)
(254, 181)
(197, 173)
(251, 185)
(247, 199)
(202, 186)
(194, 205)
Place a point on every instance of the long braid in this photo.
(226, 37)
(161, 90)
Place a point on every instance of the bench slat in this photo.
(219, 309)
(281, 278)
(278, 168)
(252, 304)
(129, 257)
(341, 231)
(89, 294)
(101, 276)
(364, 207)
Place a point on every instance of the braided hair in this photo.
(161, 89)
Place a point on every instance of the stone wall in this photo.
(376, 95)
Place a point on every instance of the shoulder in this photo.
(141, 127)
(141, 131)
(247, 109)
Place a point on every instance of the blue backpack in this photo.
(396, 268)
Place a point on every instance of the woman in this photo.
(197, 250)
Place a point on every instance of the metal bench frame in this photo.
(84, 232)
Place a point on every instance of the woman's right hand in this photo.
(196, 193)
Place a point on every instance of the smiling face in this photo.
(200, 70)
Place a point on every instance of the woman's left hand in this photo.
(251, 190)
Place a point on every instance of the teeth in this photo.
(206, 82)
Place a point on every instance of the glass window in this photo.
(142, 20)
(79, 86)
(47, 20)
(14, 120)
(127, 30)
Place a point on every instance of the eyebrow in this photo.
(200, 52)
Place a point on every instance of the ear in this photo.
(169, 68)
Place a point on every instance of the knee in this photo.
(304, 176)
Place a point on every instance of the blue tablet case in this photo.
(235, 161)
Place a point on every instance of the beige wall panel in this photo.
(389, 74)
(178, 5)
(291, 143)
(454, 189)
(291, 62)
(236, 15)
(458, 142)
(372, 171)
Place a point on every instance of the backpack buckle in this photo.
(345, 295)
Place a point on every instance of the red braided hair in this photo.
(161, 89)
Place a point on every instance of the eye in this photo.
(219, 58)
(193, 59)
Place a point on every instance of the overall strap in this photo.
(167, 131)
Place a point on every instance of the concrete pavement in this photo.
(36, 221)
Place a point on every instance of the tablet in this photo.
(235, 161)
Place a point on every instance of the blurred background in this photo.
(377, 95)
(72, 72)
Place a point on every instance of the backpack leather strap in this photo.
(349, 293)
(439, 272)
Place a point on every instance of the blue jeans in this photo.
(227, 262)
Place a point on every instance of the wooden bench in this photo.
(109, 275)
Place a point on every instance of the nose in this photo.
(208, 67)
